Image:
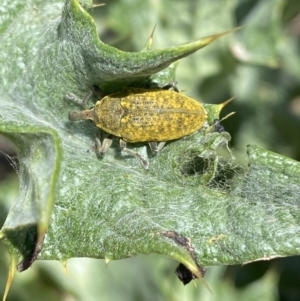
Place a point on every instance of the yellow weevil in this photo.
(143, 115)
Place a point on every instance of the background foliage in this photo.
(262, 69)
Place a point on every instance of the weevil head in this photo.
(81, 115)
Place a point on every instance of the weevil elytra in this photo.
(143, 115)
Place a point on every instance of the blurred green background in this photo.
(260, 66)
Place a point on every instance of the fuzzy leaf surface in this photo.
(72, 204)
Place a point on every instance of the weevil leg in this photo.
(155, 148)
(170, 85)
(161, 145)
(216, 127)
(76, 99)
(97, 145)
(144, 162)
(167, 86)
(102, 148)
(219, 128)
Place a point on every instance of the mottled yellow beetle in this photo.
(143, 115)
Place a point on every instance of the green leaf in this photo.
(195, 204)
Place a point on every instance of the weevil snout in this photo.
(80, 115)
